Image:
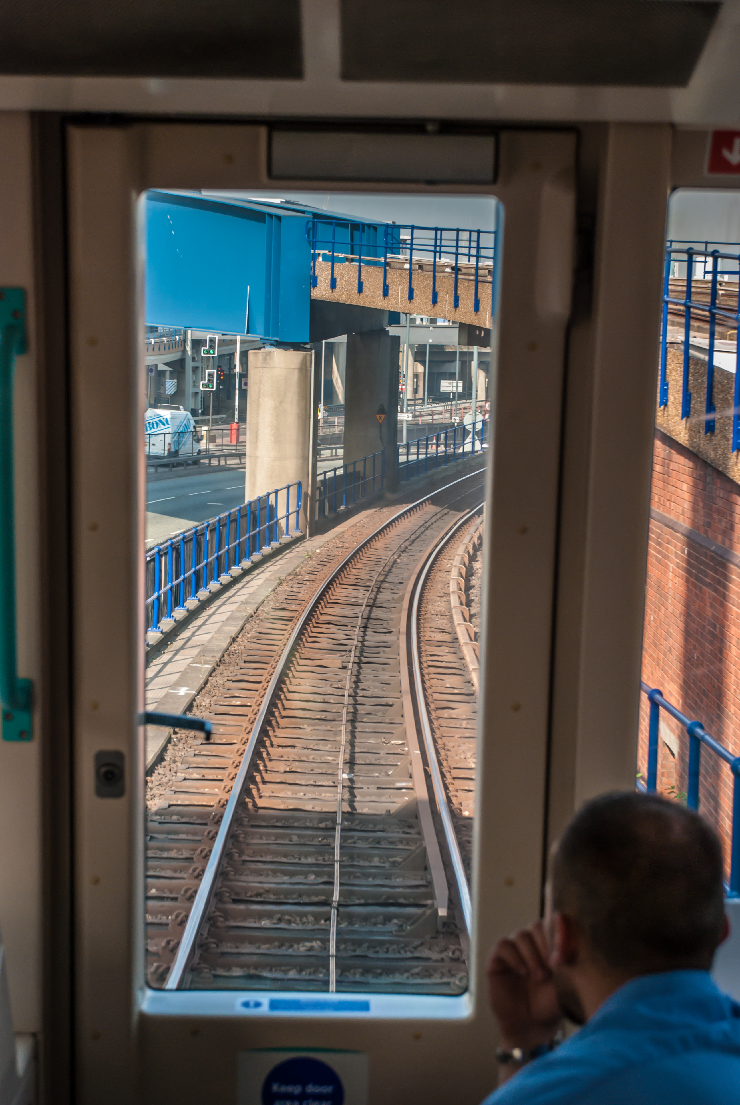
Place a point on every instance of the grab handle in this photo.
(15, 693)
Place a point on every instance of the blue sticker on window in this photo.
(302, 1081)
(319, 1005)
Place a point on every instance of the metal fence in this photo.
(700, 295)
(444, 447)
(340, 487)
(468, 254)
(192, 560)
(698, 738)
(171, 448)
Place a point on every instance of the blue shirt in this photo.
(665, 1039)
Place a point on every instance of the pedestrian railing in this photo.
(341, 487)
(435, 450)
(700, 294)
(698, 739)
(190, 562)
(464, 254)
(165, 339)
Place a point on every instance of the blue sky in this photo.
(468, 212)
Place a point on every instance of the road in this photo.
(179, 502)
(175, 503)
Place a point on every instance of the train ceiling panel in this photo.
(649, 43)
(427, 60)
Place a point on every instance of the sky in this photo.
(467, 212)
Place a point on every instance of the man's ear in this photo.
(566, 941)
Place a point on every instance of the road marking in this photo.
(214, 504)
(150, 501)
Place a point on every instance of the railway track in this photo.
(299, 848)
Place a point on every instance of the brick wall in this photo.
(692, 619)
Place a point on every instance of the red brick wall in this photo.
(692, 621)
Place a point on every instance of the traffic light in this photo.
(210, 349)
(221, 377)
(208, 383)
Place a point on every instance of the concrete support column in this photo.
(371, 382)
(281, 428)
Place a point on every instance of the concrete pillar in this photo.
(281, 427)
(371, 381)
(188, 400)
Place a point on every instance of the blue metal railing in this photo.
(340, 487)
(444, 447)
(698, 737)
(468, 254)
(192, 560)
(708, 303)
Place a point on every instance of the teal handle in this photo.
(15, 693)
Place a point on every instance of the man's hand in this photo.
(521, 989)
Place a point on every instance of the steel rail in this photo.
(371, 590)
(203, 897)
(443, 807)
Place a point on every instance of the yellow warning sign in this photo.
(380, 416)
(380, 413)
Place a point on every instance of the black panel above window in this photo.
(153, 38)
(653, 43)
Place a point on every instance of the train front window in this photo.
(318, 390)
(690, 710)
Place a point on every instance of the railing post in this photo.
(181, 605)
(287, 509)
(382, 472)
(332, 279)
(298, 499)
(435, 294)
(157, 586)
(170, 575)
(663, 389)
(359, 263)
(314, 277)
(386, 289)
(364, 474)
(275, 520)
(194, 564)
(248, 534)
(258, 546)
(456, 298)
(227, 542)
(216, 549)
(205, 556)
(411, 257)
(692, 787)
(476, 300)
(685, 393)
(710, 409)
(653, 730)
(238, 542)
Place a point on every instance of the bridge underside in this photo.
(422, 278)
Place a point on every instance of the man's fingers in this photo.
(529, 951)
(507, 957)
(540, 939)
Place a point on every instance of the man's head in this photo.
(635, 888)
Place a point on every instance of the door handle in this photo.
(15, 693)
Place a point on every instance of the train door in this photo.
(583, 223)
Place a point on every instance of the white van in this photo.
(170, 431)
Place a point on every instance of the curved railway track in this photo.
(320, 867)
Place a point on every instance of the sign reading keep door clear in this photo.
(283, 1077)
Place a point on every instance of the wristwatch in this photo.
(523, 1054)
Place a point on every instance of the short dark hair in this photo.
(643, 877)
